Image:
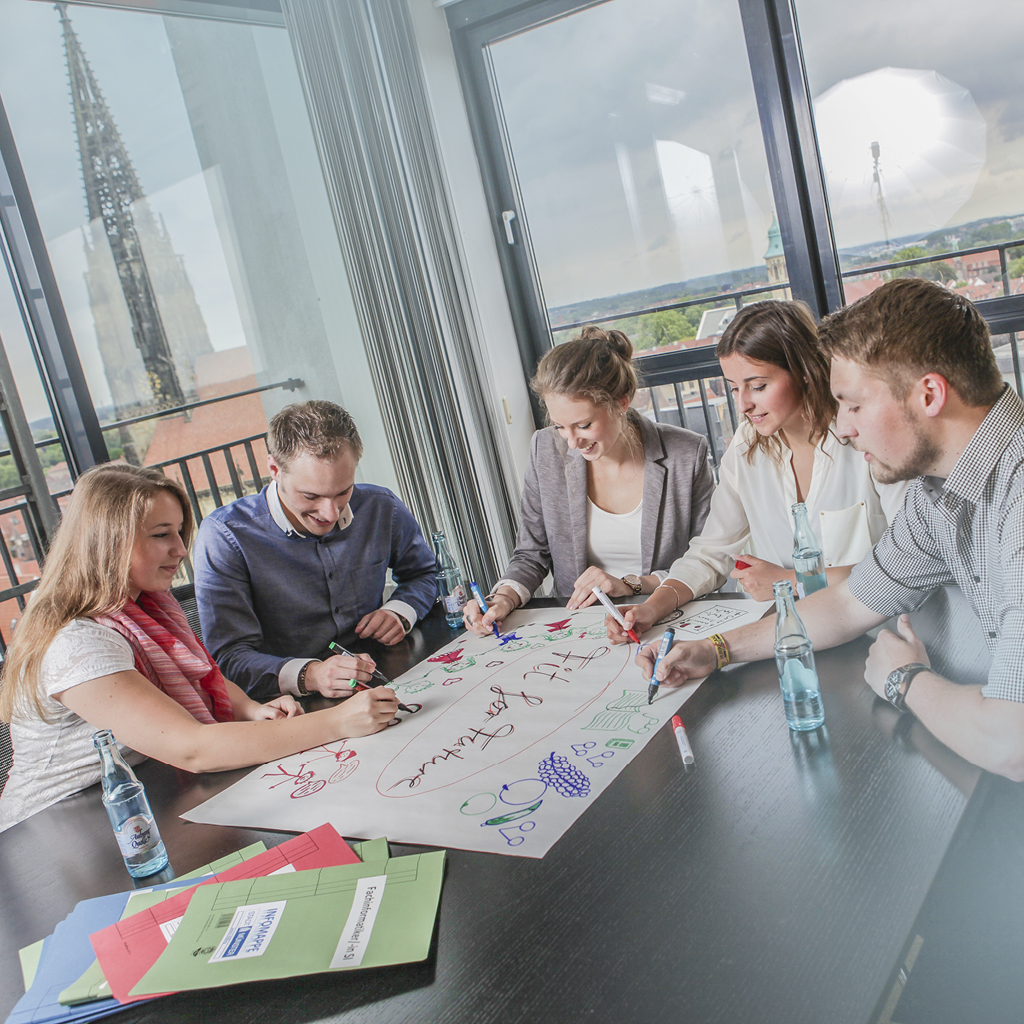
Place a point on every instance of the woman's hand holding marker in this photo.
(615, 613)
(477, 622)
(636, 617)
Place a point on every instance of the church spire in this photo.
(111, 187)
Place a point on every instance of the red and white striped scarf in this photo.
(171, 656)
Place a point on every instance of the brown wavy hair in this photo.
(909, 327)
(785, 335)
(87, 568)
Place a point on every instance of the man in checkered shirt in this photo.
(921, 395)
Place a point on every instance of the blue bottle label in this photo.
(136, 836)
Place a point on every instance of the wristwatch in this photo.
(899, 681)
(635, 582)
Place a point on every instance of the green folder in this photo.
(371, 849)
(29, 957)
(308, 922)
(92, 985)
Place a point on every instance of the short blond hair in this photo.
(317, 428)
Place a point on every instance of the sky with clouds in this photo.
(638, 149)
(633, 125)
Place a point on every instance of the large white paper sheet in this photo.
(515, 739)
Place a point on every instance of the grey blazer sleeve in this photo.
(531, 561)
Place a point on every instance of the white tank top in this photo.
(613, 541)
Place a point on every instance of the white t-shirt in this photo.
(613, 540)
(751, 511)
(54, 756)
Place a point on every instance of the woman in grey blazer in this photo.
(610, 498)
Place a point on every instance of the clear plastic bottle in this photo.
(450, 589)
(807, 558)
(124, 798)
(794, 658)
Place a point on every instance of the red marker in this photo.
(684, 744)
(740, 564)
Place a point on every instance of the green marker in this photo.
(384, 681)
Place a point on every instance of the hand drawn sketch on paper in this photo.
(700, 619)
(515, 739)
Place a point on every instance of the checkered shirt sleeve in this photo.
(906, 564)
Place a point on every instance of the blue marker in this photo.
(478, 594)
(666, 645)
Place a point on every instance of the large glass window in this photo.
(633, 130)
(179, 193)
(920, 125)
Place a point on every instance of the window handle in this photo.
(507, 216)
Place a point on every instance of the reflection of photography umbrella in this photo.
(930, 140)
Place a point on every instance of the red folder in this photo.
(128, 949)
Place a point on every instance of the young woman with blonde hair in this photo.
(785, 451)
(610, 498)
(103, 645)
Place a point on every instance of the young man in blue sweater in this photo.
(282, 573)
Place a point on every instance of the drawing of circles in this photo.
(307, 789)
(478, 804)
(525, 792)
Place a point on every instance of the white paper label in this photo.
(286, 870)
(355, 936)
(136, 836)
(249, 934)
(168, 928)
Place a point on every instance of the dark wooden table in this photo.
(778, 881)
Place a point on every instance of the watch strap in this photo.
(906, 675)
(300, 680)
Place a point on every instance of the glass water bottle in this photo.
(794, 658)
(124, 798)
(807, 558)
(450, 590)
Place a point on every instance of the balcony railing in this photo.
(210, 477)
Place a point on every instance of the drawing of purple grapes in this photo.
(562, 776)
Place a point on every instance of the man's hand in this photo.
(583, 595)
(758, 577)
(692, 659)
(890, 652)
(285, 706)
(383, 625)
(333, 677)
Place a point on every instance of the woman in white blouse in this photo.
(785, 451)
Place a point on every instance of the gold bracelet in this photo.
(675, 593)
(721, 649)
